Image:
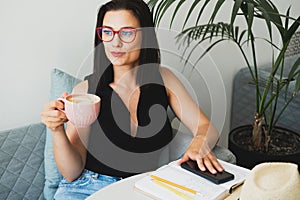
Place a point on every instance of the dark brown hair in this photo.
(149, 54)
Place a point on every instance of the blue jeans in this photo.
(88, 183)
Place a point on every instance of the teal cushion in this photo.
(60, 82)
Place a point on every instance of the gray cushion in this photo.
(60, 82)
(181, 142)
(21, 162)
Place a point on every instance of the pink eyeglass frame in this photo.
(98, 29)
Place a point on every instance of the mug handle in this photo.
(64, 101)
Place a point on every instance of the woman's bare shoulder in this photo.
(166, 73)
(81, 87)
(164, 70)
(168, 76)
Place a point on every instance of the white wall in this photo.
(36, 36)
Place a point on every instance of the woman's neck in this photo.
(125, 76)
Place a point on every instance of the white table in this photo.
(123, 189)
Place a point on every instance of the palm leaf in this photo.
(276, 18)
(217, 8)
(161, 9)
(208, 49)
(294, 70)
(250, 18)
(236, 7)
(297, 85)
(166, 6)
(207, 32)
(241, 36)
(193, 6)
(265, 14)
(248, 12)
(175, 11)
(151, 4)
(287, 18)
(291, 31)
(201, 11)
(213, 30)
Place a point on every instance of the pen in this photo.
(235, 186)
(173, 184)
(178, 193)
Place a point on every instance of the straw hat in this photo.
(270, 181)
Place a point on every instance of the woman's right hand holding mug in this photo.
(51, 115)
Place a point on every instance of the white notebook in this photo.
(206, 190)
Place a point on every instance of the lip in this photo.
(117, 53)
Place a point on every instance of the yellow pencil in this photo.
(178, 193)
(173, 184)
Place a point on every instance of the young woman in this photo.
(132, 128)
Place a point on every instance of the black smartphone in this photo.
(218, 178)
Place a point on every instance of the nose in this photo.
(116, 41)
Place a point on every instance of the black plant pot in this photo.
(240, 138)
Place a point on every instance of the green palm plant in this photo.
(267, 112)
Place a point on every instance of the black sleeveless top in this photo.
(111, 149)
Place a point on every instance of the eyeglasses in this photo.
(107, 34)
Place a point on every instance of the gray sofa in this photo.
(23, 172)
(22, 162)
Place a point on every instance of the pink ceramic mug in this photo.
(81, 109)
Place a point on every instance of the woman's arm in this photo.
(189, 113)
(70, 151)
(69, 146)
